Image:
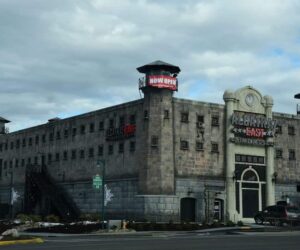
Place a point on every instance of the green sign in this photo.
(97, 181)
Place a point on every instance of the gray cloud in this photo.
(68, 57)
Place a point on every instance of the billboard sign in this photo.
(162, 81)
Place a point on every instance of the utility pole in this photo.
(99, 164)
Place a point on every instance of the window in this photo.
(215, 121)
(74, 131)
(200, 118)
(121, 147)
(10, 164)
(91, 152)
(43, 138)
(146, 114)
(37, 140)
(111, 123)
(1, 147)
(65, 155)
(11, 145)
(82, 129)
(184, 117)
(6, 145)
(17, 163)
(66, 133)
(154, 141)
(100, 150)
(279, 129)
(17, 144)
(184, 145)
(49, 158)
(215, 147)
(73, 154)
(292, 155)
(82, 153)
(92, 127)
(101, 125)
(278, 153)
(298, 188)
(121, 121)
(132, 119)
(166, 114)
(5, 164)
(22, 162)
(132, 146)
(35, 160)
(57, 156)
(291, 130)
(30, 141)
(24, 142)
(110, 149)
(199, 146)
(57, 135)
(51, 136)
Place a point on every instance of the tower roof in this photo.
(3, 120)
(158, 65)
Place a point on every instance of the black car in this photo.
(278, 215)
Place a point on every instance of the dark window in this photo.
(74, 131)
(65, 155)
(35, 160)
(200, 118)
(291, 130)
(73, 154)
(91, 152)
(17, 163)
(121, 121)
(24, 142)
(30, 141)
(121, 147)
(82, 153)
(57, 156)
(11, 163)
(43, 138)
(292, 155)
(132, 119)
(154, 141)
(51, 136)
(215, 147)
(261, 160)
(199, 146)
(146, 114)
(22, 162)
(29, 161)
(110, 149)
(166, 114)
(101, 125)
(92, 127)
(298, 188)
(132, 146)
(111, 123)
(184, 145)
(49, 158)
(279, 129)
(6, 145)
(17, 144)
(278, 153)
(66, 133)
(82, 129)
(100, 150)
(11, 145)
(215, 120)
(37, 140)
(1, 147)
(57, 135)
(185, 117)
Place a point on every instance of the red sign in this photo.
(114, 134)
(162, 81)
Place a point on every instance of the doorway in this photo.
(188, 209)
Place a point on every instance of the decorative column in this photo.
(229, 99)
(270, 185)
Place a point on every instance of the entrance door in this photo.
(250, 202)
(188, 209)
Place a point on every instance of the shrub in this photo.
(240, 223)
(230, 223)
(24, 218)
(35, 218)
(52, 218)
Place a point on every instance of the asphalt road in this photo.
(256, 241)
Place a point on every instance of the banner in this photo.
(162, 81)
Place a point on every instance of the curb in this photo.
(13, 242)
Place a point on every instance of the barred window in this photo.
(279, 153)
(92, 127)
(37, 140)
(44, 138)
(11, 145)
(73, 154)
(154, 141)
(111, 123)
(101, 125)
(146, 114)
(82, 129)
(184, 145)
(132, 119)
(66, 133)
(51, 136)
(200, 118)
(82, 153)
(121, 147)
(184, 117)
(74, 131)
(17, 163)
(110, 149)
(100, 150)
(199, 146)
(292, 154)
(279, 129)
(132, 146)
(215, 121)
(65, 155)
(215, 147)
(121, 121)
(22, 162)
(57, 135)
(57, 157)
(166, 114)
(291, 130)
(91, 152)
(30, 141)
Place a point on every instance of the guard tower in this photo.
(297, 96)
(156, 173)
(2, 125)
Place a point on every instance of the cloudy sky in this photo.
(62, 58)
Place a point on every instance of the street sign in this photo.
(97, 181)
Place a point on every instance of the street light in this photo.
(99, 163)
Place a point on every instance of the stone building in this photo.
(165, 158)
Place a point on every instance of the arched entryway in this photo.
(250, 190)
(188, 209)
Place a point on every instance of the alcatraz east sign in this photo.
(252, 128)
